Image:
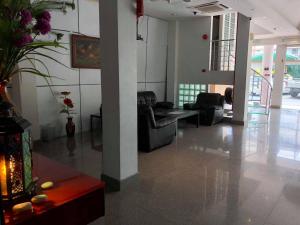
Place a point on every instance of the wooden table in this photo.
(76, 199)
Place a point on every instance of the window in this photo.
(228, 45)
(188, 92)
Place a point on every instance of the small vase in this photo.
(70, 127)
(6, 107)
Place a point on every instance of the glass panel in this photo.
(187, 86)
(181, 86)
(180, 104)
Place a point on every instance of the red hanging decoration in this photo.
(139, 8)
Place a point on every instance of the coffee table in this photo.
(179, 114)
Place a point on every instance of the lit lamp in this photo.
(15, 159)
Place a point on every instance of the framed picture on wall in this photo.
(85, 52)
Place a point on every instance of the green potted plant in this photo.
(22, 23)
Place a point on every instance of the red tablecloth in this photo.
(75, 199)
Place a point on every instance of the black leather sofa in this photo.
(154, 132)
(210, 107)
(149, 98)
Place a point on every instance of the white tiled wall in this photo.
(152, 56)
(85, 84)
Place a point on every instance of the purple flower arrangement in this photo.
(21, 24)
(42, 26)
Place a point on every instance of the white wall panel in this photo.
(90, 76)
(141, 61)
(156, 63)
(141, 86)
(66, 21)
(158, 89)
(61, 75)
(90, 103)
(89, 17)
(193, 51)
(157, 32)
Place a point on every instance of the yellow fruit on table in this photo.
(22, 208)
(47, 185)
(38, 199)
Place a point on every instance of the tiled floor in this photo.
(219, 175)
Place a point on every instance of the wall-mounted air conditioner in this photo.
(211, 7)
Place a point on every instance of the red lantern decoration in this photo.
(204, 36)
(139, 8)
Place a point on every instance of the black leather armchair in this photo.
(210, 107)
(154, 133)
(149, 98)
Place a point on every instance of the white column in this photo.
(268, 61)
(278, 76)
(172, 73)
(119, 91)
(241, 78)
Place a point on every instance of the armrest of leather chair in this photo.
(164, 105)
(165, 121)
(189, 106)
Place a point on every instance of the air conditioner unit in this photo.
(211, 7)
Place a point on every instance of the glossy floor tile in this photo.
(219, 175)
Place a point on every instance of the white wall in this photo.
(85, 84)
(186, 65)
(193, 51)
(152, 56)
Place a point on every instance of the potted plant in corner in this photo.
(22, 23)
(68, 109)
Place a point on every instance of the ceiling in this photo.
(270, 18)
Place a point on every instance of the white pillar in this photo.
(241, 78)
(278, 76)
(268, 61)
(119, 91)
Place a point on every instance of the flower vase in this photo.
(6, 106)
(70, 127)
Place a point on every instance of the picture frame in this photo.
(85, 51)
